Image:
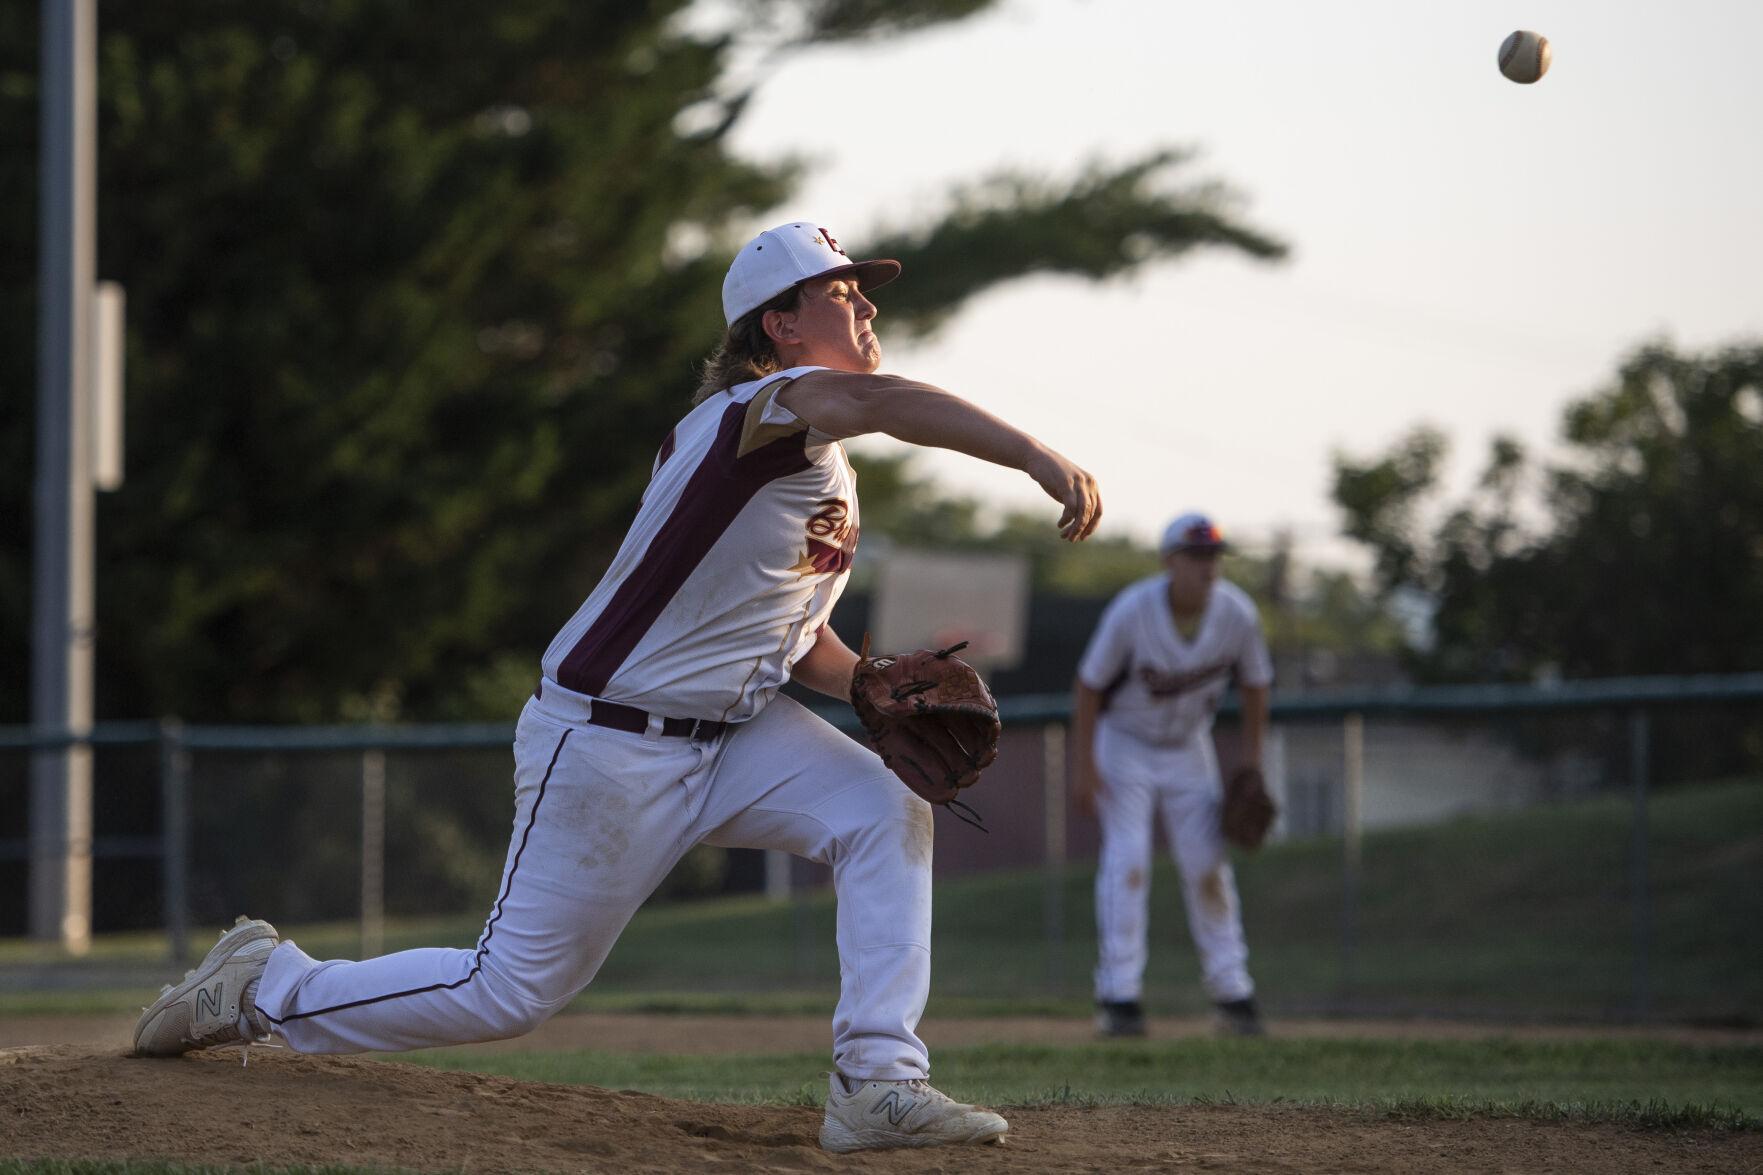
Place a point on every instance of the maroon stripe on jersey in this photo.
(666, 450)
(718, 491)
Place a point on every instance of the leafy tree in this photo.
(414, 291)
(1649, 558)
(1304, 611)
(1381, 500)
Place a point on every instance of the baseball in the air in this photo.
(1524, 56)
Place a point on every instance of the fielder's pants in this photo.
(1138, 781)
(600, 818)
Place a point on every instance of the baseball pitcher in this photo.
(656, 725)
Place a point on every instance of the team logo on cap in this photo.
(1202, 534)
(832, 244)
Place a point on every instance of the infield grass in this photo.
(1632, 1081)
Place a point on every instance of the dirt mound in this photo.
(78, 1103)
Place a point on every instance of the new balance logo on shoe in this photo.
(895, 1107)
(208, 1003)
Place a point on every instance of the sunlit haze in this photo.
(1466, 251)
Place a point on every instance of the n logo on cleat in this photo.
(895, 1106)
(209, 1002)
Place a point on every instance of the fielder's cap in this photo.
(1193, 531)
(789, 255)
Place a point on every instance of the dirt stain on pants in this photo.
(1213, 895)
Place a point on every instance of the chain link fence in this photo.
(1547, 852)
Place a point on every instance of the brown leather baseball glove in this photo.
(929, 716)
(1248, 809)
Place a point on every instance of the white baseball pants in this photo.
(1138, 781)
(600, 817)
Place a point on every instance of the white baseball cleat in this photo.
(865, 1115)
(214, 1004)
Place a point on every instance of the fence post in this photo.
(1352, 799)
(1053, 850)
(778, 882)
(1640, 888)
(802, 941)
(373, 852)
(174, 837)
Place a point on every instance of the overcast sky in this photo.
(1466, 251)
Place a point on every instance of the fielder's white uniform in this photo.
(741, 547)
(1153, 750)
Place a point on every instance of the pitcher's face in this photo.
(830, 327)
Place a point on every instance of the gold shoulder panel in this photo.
(755, 435)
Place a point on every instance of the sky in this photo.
(1467, 252)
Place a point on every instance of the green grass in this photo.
(1522, 914)
(1591, 1079)
(1519, 915)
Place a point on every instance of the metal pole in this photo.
(1352, 795)
(777, 876)
(373, 852)
(1640, 889)
(174, 833)
(1053, 850)
(61, 640)
(1273, 766)
(109, 343)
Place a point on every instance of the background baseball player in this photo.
(1149, 682)
(656, 726)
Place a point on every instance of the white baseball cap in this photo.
(1193, 531)
(789, 255)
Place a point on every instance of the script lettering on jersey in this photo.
(1167, 685)
(831, 540)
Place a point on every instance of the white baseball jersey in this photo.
(1163, 688)
(741, 547)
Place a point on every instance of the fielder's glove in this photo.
(930, 718)
(1248, 809)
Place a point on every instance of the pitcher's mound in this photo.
(287, 1110)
